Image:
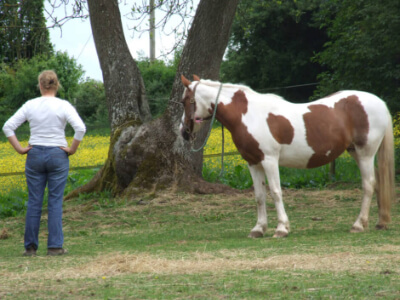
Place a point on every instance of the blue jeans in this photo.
(45, 165)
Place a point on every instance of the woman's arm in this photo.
(17, 146)
(79, 127)
(74, 146)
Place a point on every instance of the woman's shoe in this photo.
(30, 251)
(56, 251)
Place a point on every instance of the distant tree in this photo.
(20, 81)
(158, 77)
(363, 51)
(23, 32)
(272, 44)
(89, 100)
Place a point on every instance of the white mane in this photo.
(241, 87)
(227, 85)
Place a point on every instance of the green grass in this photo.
(179, 246)
(14, 203)
(238, 177)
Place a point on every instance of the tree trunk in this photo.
(123, 83)
(147, 156)
(202, 55)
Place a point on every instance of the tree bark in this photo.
(123, 83)
(148, 156)
(202, 55)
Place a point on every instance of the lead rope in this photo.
(211, 123)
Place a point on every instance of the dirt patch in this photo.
(336, 262)
(115, 264)
(4, 234)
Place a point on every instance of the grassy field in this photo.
(179, 246)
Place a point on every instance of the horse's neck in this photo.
(212, 94)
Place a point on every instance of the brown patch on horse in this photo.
(330, 131)
(357, 117)
(189, 108)
(230, 116)
(281, 129)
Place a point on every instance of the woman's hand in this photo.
(17, 146)
(24, 150)
(67, 150)
(71, 150)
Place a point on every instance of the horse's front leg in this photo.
(258, 176)
(271, 167)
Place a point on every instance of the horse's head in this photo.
(192, 116)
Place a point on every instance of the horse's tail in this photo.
(385, 177)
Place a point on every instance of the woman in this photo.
(47, 161)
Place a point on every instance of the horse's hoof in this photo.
(356, 229)
(255, 235)
(381, 227)
(280, 234)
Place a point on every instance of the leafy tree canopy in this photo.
(89, 100)
(363, 50)
(19, 83)
(272, 44)
(23, 32)
(158, 77)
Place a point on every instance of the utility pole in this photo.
(152, 32)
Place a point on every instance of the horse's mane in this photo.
(227, 85)
(241, 87)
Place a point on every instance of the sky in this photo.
(76, 39)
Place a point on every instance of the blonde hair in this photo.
(48, 81)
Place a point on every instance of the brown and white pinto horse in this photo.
(269, 131)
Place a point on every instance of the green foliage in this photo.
(158, 77)
(23, 31)
(13, 204)
(19, 82)
(90, 101)
(22, 78)
(240, 178)
(272, 44)
(69, 73)
(363, 48)
(234, 176)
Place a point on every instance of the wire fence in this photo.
(71, 169)
(25, 132)
(5, 174)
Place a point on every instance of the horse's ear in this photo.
(186, 82)
(196, 78)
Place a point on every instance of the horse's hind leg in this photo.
(258, 176)
(366, 165)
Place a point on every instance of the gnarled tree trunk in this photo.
(149, 155)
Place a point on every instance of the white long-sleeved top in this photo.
(47, 117)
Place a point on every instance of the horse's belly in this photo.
(293, 157)
(300, 158)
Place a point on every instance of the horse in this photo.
(269, 131)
